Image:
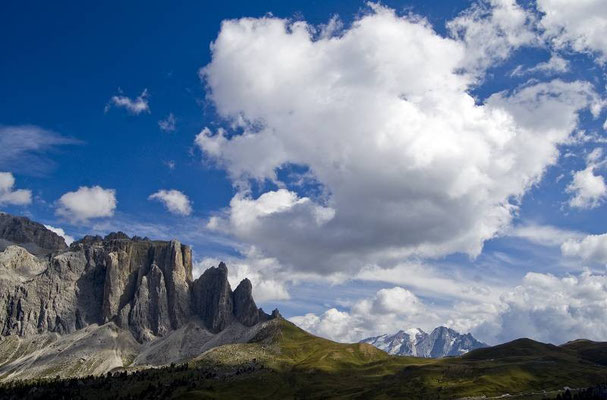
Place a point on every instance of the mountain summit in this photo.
(108, 302)
(441, 342)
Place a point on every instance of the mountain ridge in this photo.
(284, 362)
(132, 294)
(122, 317)
(441, 342)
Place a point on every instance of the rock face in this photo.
(28, 234)
(441, 342)
(142, 286)
(245, 309)
(218, 306)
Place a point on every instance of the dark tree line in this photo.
(592, 393)
(154, 383)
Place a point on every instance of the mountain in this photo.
(284, 362)
(32, 236)
(441, 342)
(112, 302)
(122, 318)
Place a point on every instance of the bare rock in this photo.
(140, 288)
(212, 298)
(245, 310)
(28, 234)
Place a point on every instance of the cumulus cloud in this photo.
(592, 248)
(174, 201)
(11, 196)
(550, 309)
(409, 163)
(25, 148)
(388, 311)
(579, 25)
(136, 107)
(59, 231)
(543, 307)
(491, 30)
(169, 124)
(588, 189)
(87, 203)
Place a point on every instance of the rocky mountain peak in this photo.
(218, 306)
(34, 237)
(245, 309)
(117, 236)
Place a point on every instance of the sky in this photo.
(370, 167)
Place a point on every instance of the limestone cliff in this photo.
(140, 285)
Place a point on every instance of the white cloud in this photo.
(137, 106)
(408, 162)
(542, 307)
(436, 282)
(87, 203)
(555, 65)
(23, 148)
(59, 231)
(544, 235)
(550, 309)
(247, 215)
(169, 124)
(491, 31)
(174, 201)
(588, 190)
(11, 196)
(580, 25)
(591, 248)
(386, 312)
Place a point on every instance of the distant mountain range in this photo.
(441, 342)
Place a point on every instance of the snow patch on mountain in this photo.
(441, 342)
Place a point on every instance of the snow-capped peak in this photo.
(441, 342)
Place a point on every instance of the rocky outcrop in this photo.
(245, 309)
(28, 234)
(218, 306)
(140, 285)
(213, 299)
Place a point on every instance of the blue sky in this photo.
(371, 167)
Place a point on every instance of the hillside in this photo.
(284, 362)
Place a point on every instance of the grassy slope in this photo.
(305, 366)
(285, 362)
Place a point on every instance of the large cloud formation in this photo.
(551, 309)
(381, 117)
(543, 307)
